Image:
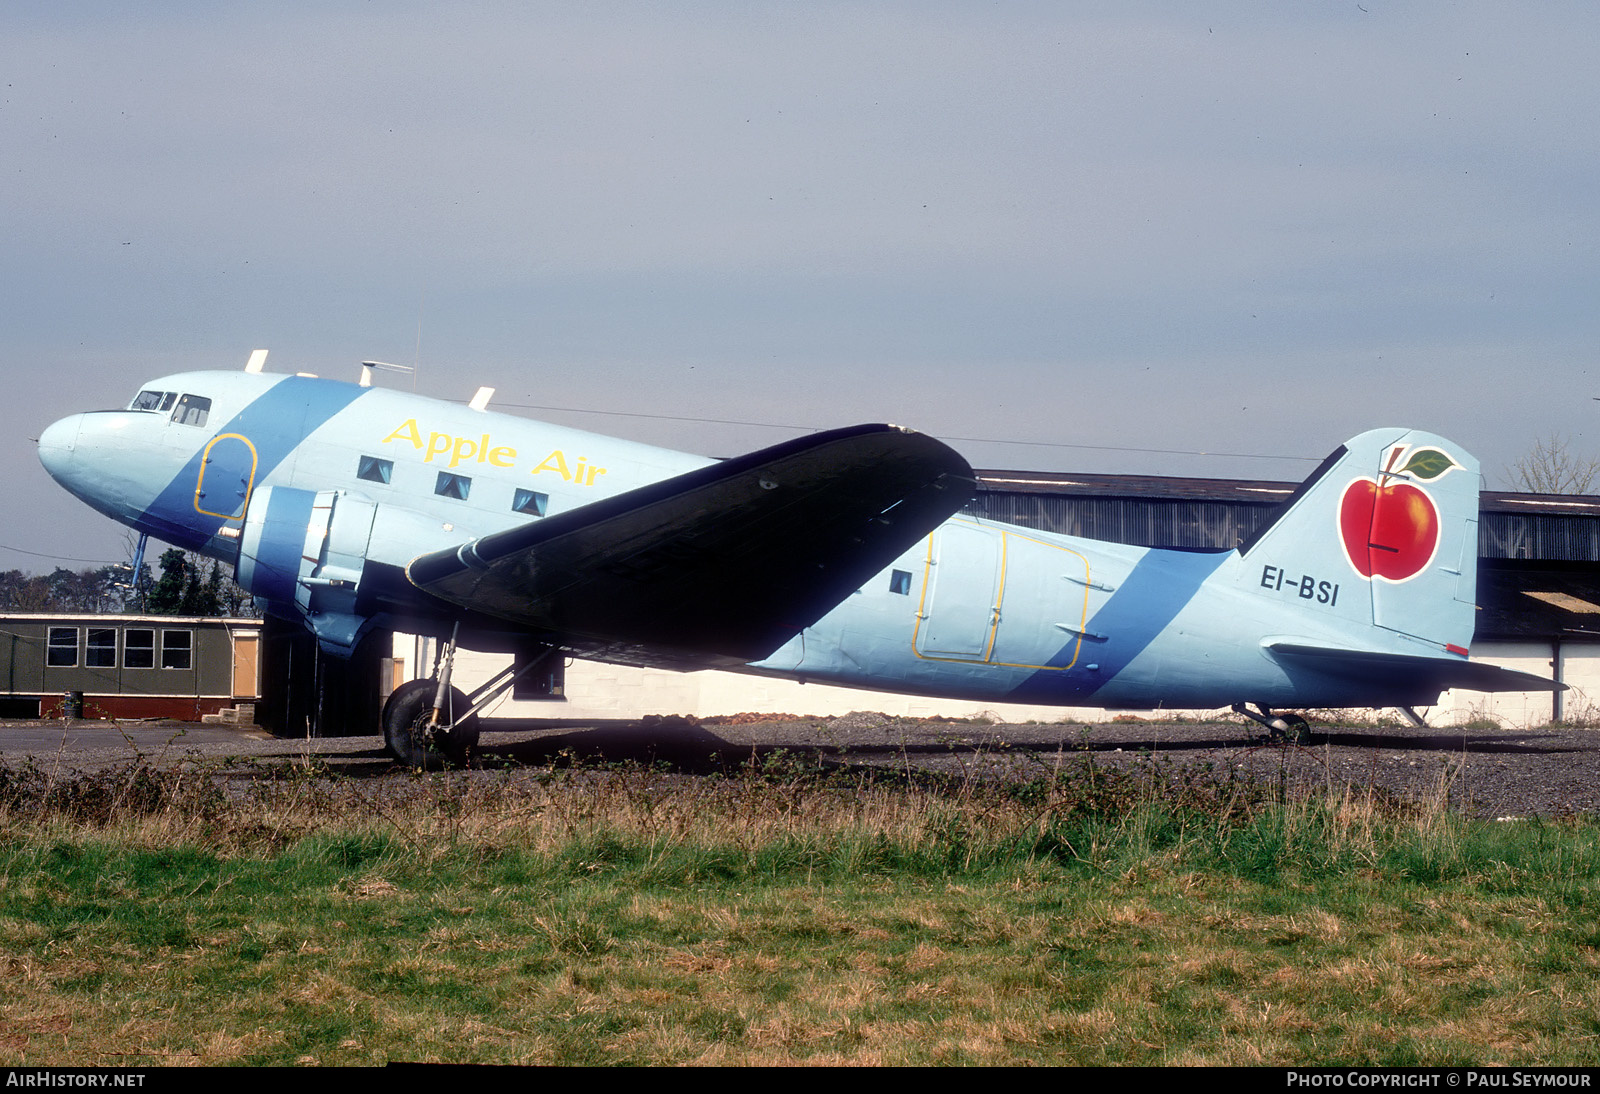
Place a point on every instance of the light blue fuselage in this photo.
(977, 609)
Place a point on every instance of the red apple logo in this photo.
(1389, 525)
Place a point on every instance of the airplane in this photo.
(840, 557)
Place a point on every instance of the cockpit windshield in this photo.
(153, 400)
(190, 409)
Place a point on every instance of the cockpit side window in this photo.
(192, 410)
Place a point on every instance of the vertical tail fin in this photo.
(1384, 533)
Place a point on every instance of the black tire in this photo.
(410, 738)
(1296, 730)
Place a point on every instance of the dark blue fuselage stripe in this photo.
(1160, 585)
(283, 538)
(276, 423)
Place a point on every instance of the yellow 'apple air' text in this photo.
(453, 451)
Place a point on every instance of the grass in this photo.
(778, 915)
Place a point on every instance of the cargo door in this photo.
(1043, 604)
(960, 593)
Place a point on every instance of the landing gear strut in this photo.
(1280, 727)
(428, 723)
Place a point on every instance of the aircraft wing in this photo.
(718, 566)
(1400, 669)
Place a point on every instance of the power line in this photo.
(660, 417)
(1153, 451)
(969, 440)
(63, 558)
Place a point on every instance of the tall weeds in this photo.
(783, 821)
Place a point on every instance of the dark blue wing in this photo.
(718, 566)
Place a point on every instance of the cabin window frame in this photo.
(381, 470)
(530, 503)
(453, 486)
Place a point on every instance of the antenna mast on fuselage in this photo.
(367, 368)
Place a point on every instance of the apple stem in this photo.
(1387, 473)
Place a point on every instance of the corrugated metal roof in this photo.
(1136, 486)
(1166, 511)
(1556, 505)
(1253, 491)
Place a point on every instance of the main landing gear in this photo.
(1288, 727)
(428, 724)
(423, 733)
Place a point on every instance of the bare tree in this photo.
(1551, 467)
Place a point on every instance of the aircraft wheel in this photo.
(1291, 728)
(413, 741)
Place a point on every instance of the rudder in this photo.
(1384, 533)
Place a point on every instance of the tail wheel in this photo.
(1290, 728)
(1293, 729)
(412, 736)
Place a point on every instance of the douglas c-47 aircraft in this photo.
(835, 558)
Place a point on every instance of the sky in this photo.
(1186, 237)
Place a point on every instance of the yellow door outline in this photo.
(205, 461)
(1075, 628)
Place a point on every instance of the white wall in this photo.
(595, 690)
(600, 691)
(1580, 668)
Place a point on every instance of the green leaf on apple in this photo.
(1428, 464)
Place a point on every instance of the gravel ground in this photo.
(1490, 773)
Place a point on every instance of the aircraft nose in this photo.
(56, 445)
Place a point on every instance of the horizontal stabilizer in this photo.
(1399, 669)
(721, 565)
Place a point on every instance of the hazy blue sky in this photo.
(1126, 226)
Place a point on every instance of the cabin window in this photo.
(101, 652)
(530, 502)
(450, 485)
(63, 648)
(139, 648)
(176, 649)
(192, 410)
(375, 470)
(900, 582)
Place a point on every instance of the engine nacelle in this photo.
(304, 552)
